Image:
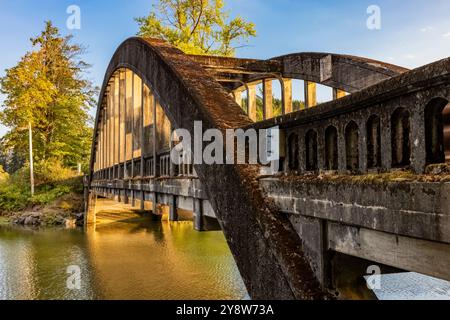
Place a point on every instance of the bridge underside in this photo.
(178, 199)
(343, 227)
(363, 178)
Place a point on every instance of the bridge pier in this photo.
(173, 213)
(91, 205)
(133, 198)
(155, 204)
(198, 215)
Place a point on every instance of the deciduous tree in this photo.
(196, 26)
(47, 88)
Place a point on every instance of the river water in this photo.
(124, 257)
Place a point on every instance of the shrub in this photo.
(13, 197)
(52, 171)
(49, 195)
(52, 181)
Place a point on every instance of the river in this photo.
(124, 257)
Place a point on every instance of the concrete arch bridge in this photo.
(363, 178)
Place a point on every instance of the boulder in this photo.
(31, 221)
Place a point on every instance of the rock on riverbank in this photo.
(48, 219)
(61, 212)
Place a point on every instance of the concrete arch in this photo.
(343, 72)
(263, 243)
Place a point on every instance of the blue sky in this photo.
(413, 33)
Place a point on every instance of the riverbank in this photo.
(57, 199)
(66, 211)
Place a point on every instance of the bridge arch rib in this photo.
(342, 74)
(265, 246)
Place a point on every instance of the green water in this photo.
(133, 258)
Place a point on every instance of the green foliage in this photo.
(46, 89)
(13, 197)
(51, 171)
(49, 194)
(52, 179)
(196, 26)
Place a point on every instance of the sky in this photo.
(411, 34)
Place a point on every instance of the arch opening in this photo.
(373, 142)
(331, 148)
(437, 131)
(311, 150)
(352, 146)
(293, 152)
(132, 115)
(401, 146)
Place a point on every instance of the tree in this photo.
(46, 89)
(196, 26)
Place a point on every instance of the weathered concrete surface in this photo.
(348, 73)
(266, 247)
(406, 253)
(420, 210)
(403, 225)
(344, 72)
(412, 91)
(284, 255)
(435, 75)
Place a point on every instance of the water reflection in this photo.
(33, 264)
(126, 258)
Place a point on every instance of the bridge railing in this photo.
(379, 129)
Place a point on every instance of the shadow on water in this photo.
(126, 256)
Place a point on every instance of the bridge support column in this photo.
(142, 196)
(126, 198)
(90, 213)
(198, 215)
(267, 99)
(155, 204)
(287, 89)
(173, 213)
(252, 114)
(310, 94)
(133, 198)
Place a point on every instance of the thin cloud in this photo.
(446, 35)
(427, 28)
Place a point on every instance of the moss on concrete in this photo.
(396, 176)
